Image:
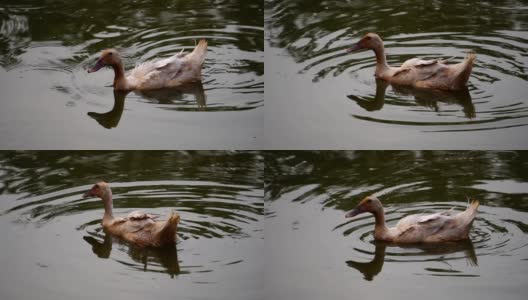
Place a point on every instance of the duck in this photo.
(419, 73)
(174, 71)
(138, 228)
(432, 228)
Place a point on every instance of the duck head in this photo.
(100, 190)
(368, 41)
(109, 57)
(369, 204)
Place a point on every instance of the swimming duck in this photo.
(170, 72)
(438, 227)
(138, 227)
(433, 74)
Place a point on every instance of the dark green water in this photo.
(48, 100)
(332, 101)
(315, 253)
(53, 246)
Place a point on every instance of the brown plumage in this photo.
(438, 227)
(433, 74)
(138, 227)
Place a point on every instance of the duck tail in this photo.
(197, 56)
(470, 212)
(167, 233)
(463, 70)
(473, 206)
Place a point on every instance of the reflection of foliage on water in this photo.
(75, 23)
(37, 172)
(444, 175)
(308, 28)
(13, 37)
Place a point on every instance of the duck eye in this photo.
(110, 53)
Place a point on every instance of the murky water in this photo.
(54, 247)
(48, 99)
(332, 99)
(315, 253)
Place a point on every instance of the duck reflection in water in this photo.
(176, 96)
(374, 267)
(166, 256)
(423, 97)
(111, 118)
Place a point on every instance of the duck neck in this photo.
(107, 200)
(380, 228)
(381, 61)
(120, 82)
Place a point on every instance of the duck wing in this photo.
(170, 65)
(139, 215)
(152, 75)
(137, 221)
(119, 220)
(158, 74)
(166, 64)
(418, 228)
(412, 220)
(418, 63)
(183, 61)
(416, 69)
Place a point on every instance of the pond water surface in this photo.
(313, 252)
(329, 99)
(48, 100)
(53, 246)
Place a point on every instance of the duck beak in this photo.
(356, 211)
(354, 48)
(88, 194)
(97, 66)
